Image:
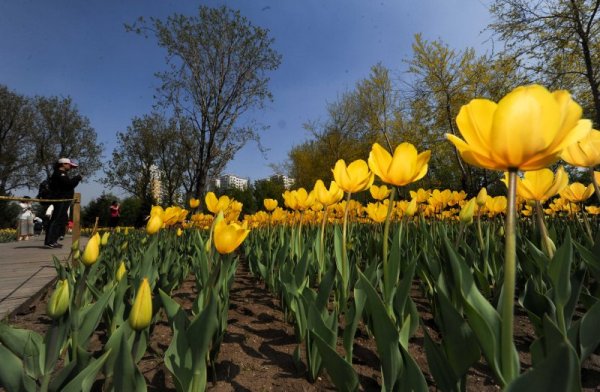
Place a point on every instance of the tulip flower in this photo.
(585, 152)
(92, 250)
(405, 167)
(141, 311)
(467, 212)
(215, 205)
(355, 177)
(155, 223)
(379, 192)
(270, 204)
(526, 130)
(482, 197)
(577, 192)
(377, 212)
(299, 199)
(412, 207)
(104, 239)
(59, 301)
(179, 232)
(421, 195)
(228, 237)
(328, 197)
(194, 203)
(541, 185)
(121, 271)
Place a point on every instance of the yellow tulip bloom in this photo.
(526, 130)
(541, 185)
(121, 271)
(298, 199)
(155, 223)
(584, 153)
(104, 239)
(58, 304)
(577, 192)
(141, 311)
(270, 204)
(92, 251)
(329, 196)
(412, 207)
(194, 203)
(379, 192)
(482, 197)
(467, 211)
(377, 212)
(355, 177)
(496, 205)
(227, 237)
(215, 205)
(405, 167)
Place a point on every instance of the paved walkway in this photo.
(26, 268)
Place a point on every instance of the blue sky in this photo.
(80, 49)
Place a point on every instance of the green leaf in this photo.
(439, 365)
(85, 379)
(560, 273)
(92, 315)
(589, 331)
(342, 374)
(11, 371)
(412, 378)
(16, 339)
(557, 372)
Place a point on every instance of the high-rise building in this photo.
(285, 180)
(227, 181)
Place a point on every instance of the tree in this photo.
(557, 42)
(218, 63)
(17, 168)
(268, 189)
(97, 208)
(61, 131)
(149, 150)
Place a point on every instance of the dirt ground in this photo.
(256, 354)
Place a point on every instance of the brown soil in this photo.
(256, 354)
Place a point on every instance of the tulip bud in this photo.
(126, 230)
(466, 213)
(179, 232)
(76, 254)
(92, 250)
(154, 224)
(75, 246)
(124, 245)
(121, 271)
(59, 301)
(412, 207)
(482, 197)
(141, 311)
(104, 240)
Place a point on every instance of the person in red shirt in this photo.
(115, 213)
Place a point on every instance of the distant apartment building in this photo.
(285, 180)
(228, 181)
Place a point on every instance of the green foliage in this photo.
(97, 208)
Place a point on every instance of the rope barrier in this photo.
(10, 198)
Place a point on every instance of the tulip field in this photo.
(342, 271)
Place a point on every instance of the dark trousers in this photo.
(58, 222)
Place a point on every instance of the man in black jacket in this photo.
(62, 187)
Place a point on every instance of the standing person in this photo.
(62, 187)
(25, 228)
(115, 213)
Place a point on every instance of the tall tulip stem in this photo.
(345, 267)
(544, 236)
(508, 290)
(386, 232)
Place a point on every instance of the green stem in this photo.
(387, 280)
(507, 345)
(322, 249)
(75, 313)
(345, 266)
(544, 237)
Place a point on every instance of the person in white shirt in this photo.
(25, 226)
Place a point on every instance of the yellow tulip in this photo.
(104, 239)
(58, 304)
(467, 212)
(215, 205)
(121, 271)
(228, 237)
(141, 311)
(179, 232)
(270, 204)
(405, 167)
(379, 192)
(526, 130)
(482, 197)
(421, 195)
(584, 153)
(154, 224)
(377, 212)
(496, 205)
(92, 250)
(328, 197)
(541, 185)
(412, 207)
(577, 192)
(194, 203)
(355, 177)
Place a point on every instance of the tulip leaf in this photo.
(560, 273)
(127, 376)
(412, 378)
(342, 374)
(440, 366)
(559, 371)
(85, 379)
(16, 340)
(11, 371)
(92, 315)
(589, 333)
